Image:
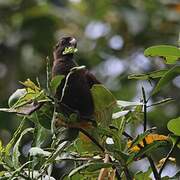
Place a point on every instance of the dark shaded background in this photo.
(112, 35)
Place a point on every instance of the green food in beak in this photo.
(69, 50)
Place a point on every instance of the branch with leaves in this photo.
(99, 149)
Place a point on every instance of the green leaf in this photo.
(128, 103)
(90, 167)
(55, 82)
(169, 75)
(16, 153)
(170, 53)
(103, 98)
(41, 134)
(45, 115)
(164, 101)
(15, 136)
(104, 103)
(173, 126)
(34, 151)
(119, 114)
(143, 175)
(148, 76)
(14, 98)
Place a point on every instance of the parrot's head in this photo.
(66, 47)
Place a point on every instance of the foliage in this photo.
(104, 149)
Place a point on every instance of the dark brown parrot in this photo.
(77, 96)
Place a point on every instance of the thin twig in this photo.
(153, 167)
(168, 156)
(151, 162)
(145, 108)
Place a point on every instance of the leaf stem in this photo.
(168, 155)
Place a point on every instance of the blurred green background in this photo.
(112, 35)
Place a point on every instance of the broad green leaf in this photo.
(170, 53)
(16, 153)
(148, 76)
(26, 101)
(104, 103)
(45, 115)
(34, 151)
(40, 133)
(90, 167)
(28, 97)
(14, 98)
(128, 103)
(174, 126)
(143, 175)
(55, 82)
(169, 75)
(103, 98)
